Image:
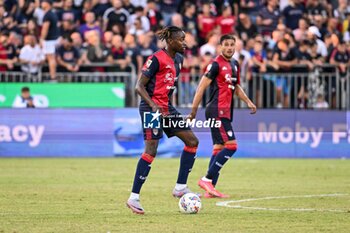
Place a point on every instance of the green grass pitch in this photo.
(88, 195)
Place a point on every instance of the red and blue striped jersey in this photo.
(224, 75)
(163, 72)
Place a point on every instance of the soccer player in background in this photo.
(222, 75)
(156, 86)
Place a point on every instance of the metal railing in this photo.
(299, 88)
(268, 90)
(322, 87)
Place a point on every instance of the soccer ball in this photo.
(190, 203)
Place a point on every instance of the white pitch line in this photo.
(227, 203)
(289, 209)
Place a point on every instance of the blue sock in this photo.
(212, 159)
(186, 163)
(142, 171)
(220, 159)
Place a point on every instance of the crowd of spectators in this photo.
(271, 34)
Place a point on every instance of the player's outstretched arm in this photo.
(203, 85)
(241, 94)
(141, 90)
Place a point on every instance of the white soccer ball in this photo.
(190, 203)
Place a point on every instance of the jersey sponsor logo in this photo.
(228, 78)
(231, 80)
(230, 133)
(168, 67)
(170, 87)
(169, 77)
(224, 68)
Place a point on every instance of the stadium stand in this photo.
(293, 54)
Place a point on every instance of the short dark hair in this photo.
(25, 89)
(48, 1)
(305, 43)
(284, 40)
(305, 19)
(5, 33)
(68, 38)
(138, 8)
(188, 5)
(313, 43)
(227, 37)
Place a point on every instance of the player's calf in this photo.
(216, 151)
(187, 159)
(220, 159)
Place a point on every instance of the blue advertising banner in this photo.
(56, 132)
(118, 132)
(297, 134)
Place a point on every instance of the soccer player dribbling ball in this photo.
(222, 75)
(156, 86)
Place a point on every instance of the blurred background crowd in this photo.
(272, 36)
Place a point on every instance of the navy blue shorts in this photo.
(157, 133)
(224, 133)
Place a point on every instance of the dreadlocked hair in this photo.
(168, 32)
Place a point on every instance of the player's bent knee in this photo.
(151, 151)
(147, 157)
(231, 146)
(195, 142)
(218, 147)
(192, 142)
(216, 151)
(190, 149)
